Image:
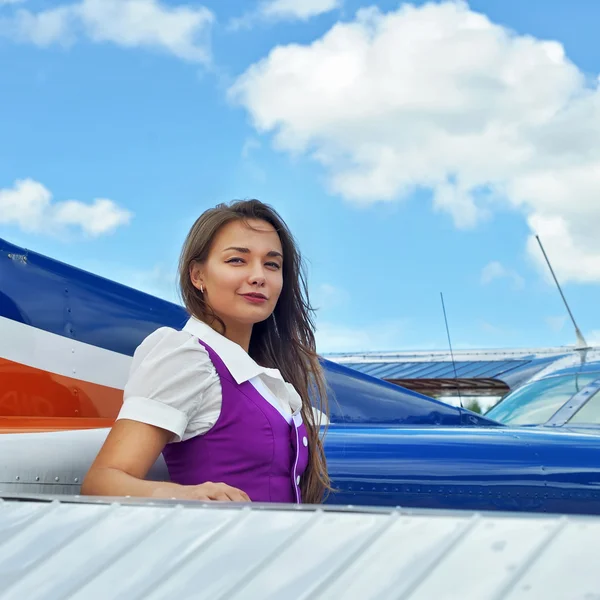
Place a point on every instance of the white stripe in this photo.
(296, 488)
(57, 354)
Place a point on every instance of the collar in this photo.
(241, 366)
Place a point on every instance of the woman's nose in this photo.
(258, 276)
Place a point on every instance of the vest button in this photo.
(305, 441)
(298, 480)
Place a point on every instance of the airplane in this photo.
(66, 341)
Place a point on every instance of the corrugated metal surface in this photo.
(438, 370)
(512, 372)
(52, 550)
(512, 367)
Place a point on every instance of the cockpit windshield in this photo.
(536, 402)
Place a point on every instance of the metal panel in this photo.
(439, 369)
(54, 463)
(511, 370)
(373, 369)
(158, 550)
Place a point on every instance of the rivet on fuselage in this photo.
(37, 477)
(56, 479)
(17, 478)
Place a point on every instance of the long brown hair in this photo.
(285, 340)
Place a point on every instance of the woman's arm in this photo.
(169, 373)
(130, 450)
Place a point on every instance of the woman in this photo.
(226, 400)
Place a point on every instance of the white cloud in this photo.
(297, 9)
(284, 10)
(568, 235)
(5, 2)
(178, 30)
(496, 270)
(440, 98)
(53, 26)
(29, 206)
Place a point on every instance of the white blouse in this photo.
(174, 385)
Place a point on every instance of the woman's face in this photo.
(242, 277)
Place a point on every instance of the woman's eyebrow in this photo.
(238, 249)
(247, 251)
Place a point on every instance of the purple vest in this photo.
(251, 446)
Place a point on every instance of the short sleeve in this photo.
(171, 382)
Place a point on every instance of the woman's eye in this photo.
(237, 260)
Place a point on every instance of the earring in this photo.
(201, 289)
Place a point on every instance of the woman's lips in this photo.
(255, 298)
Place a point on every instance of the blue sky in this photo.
(412, 148)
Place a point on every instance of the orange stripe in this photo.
(35, 400)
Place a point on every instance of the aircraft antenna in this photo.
(451, 352)
(581, 342)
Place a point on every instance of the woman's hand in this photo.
(204, 491)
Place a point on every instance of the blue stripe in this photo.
(62, 299)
